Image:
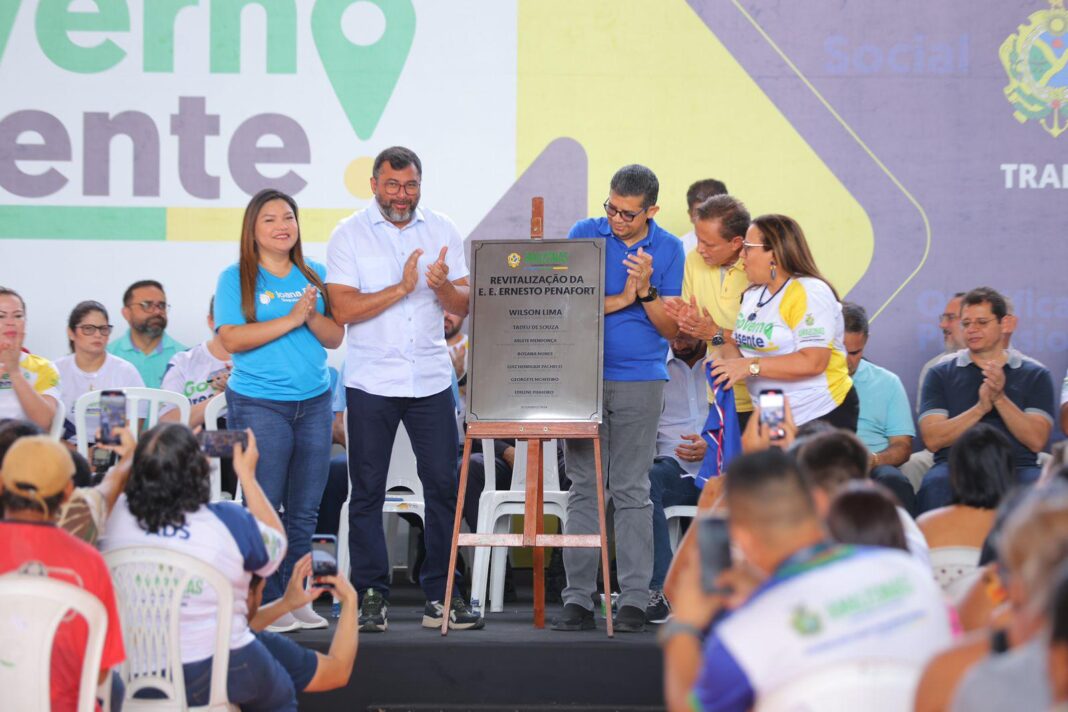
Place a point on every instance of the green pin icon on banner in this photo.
(363, 75)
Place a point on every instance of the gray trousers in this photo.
(628, 445)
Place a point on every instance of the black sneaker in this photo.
(373, 611)
(630, 619)
(658, 610)
(574, 617)
(461, 617)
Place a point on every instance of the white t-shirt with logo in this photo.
(74, 383)
(803, 314)
(224, 535)
(190, 372)
(41, 375)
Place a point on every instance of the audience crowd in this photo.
(852, 557)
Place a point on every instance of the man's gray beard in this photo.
(150, 330)
(394, 216)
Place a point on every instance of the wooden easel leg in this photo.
(539, 523)
(604, 537)
(455, 536)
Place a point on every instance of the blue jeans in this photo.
(372, 427)
(255, 680)
(293, 438)
(935, 491)
(334, 496)
(667, 488)
(891, 478)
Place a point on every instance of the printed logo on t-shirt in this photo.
(805, 621)
(753, 334)
(267, 295)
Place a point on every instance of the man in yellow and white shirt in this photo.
(714, 279)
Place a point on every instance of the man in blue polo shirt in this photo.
(984, 383)
(146, 345)
(643, 264)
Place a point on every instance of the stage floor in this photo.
(508, 665)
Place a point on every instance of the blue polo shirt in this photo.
(952, 387)
(633, 349)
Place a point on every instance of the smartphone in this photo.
(324, 555)
(220, 443)
(714, 544)
(102, 460)
(112, 415)
(772, 412)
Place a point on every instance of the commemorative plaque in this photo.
(537, 326)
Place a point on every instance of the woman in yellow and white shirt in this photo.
(789, 331)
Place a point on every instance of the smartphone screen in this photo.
(773, 412)
(112, 415)
(714, 543)
(324, 555)
(220, 443)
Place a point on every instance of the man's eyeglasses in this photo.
(981, 323)
(153, 306)
(90, 329)
(949, 317)
(746, 246)
(627, 215)
(393, 187)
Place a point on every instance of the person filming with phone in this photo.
(789, 332)
(817, 604)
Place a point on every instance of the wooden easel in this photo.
(534, 434)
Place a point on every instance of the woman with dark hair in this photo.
(89, 366)
(865, 513)
(981, 471)
(166, 505)
(273, 315)
(29, 384)
(789, 331)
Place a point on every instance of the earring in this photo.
(773, 271)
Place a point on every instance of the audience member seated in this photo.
(866, 514)
(984, 383)
(166, 505)
(952, 338)
(89, 367)
(774, 523)
(146, 344)
(980, 473)
(1003, 667)
(36, 480)
(84, 514)
(1058, 643)
(311, 671)
(679, 452)
(830, 461)
(885, 421)
(200, 374)
(29, 384)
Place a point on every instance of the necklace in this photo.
(763, 303)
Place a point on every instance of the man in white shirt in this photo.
(200, 374)
(679, 452)
(393, 271)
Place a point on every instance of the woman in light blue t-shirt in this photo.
(272, 314)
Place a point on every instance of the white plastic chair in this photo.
(954, 568)
(495, 510)
(404, 495)
(136, 397)
(675, 515)
(31, 610)
(868, 685)
(150, 583)
(55, 431)
(212, 411)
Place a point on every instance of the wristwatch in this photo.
(673, 628)
(754, 368)
(650, 296)
(717, 338)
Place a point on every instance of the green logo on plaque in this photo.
(546, 260)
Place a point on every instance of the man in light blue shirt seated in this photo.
(885, 422)
(679, 451)
(146, 344)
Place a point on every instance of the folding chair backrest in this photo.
(137, 398)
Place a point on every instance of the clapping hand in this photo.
(640, 267)
(437, 274)
(410, 275)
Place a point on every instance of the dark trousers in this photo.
(667, 488)
(476, 481)
(335, 494)
(891, 478)
(845, 415)
(372, 427)
(935, 490)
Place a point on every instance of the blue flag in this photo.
(721, 431)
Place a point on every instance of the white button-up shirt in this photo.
(401, 352)
(685, 409)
